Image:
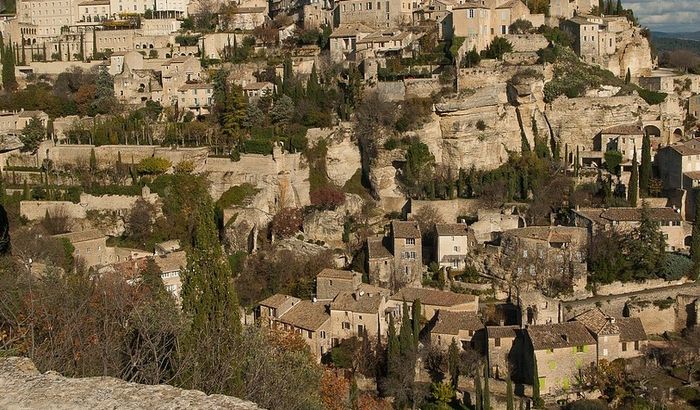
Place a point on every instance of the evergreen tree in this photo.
(619, 10)
(24, 52)
(60, 52)
(695, 243)
(82, 46)
(633, 190)
(313, 87)
(93, 160)
(25, 191)
(645, 168)
(453, 363)
(646, 247)
(354, 394)
(33, 134)
(9, 81)
(393, 355)
(209, 299)
(628, 76)
(478, 395)
(509, 395)
(406, 333)
(94, 44)
(415, 319)
(487, 393)
(4, 231)
(536, 398)
(2, 189)
(577, 164)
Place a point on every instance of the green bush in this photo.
(652, 97)
(258, 146)
(391, 144)
(675, 266)
(153, 166)
(237, 195)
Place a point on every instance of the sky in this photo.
(667, 15)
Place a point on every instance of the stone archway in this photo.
(678, 133)
(652, 130)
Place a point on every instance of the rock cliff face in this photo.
(24, 387)
(633, 53)
(342, 159)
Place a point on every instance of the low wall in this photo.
(421, 87)
(36, 210)
(618, 288)
(57, 67)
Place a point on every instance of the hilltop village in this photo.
(349, 204)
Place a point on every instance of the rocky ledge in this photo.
(24, 387)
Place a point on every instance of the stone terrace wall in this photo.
(36, 210)
(421, 87)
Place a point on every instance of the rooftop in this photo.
(598, 322)
(405, 229)
(338, 274)
(358, 302)
(172, 262)
(604, 216)
(277, 300)
(376, 248)
(452, 229)
(433, 297)
(83, 236)
(501, 332)
(558, 335)
(307, 315)
(625, 129)
(631, 329)
(450, 323)
(351, 30)
(552, 234)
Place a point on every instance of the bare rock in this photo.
(24, 387)
(342, 161)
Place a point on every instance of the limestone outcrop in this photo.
(342, 159)
(24, 387)
(328, 226)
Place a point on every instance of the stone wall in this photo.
(24, 387)
(421, 87)
(57, 67)
(36, 210)
(448, 210)
(392, 90)
(527, 42)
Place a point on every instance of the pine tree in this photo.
(453, 363)
(509, 395)
(645, 168)
(695, 243)
(415, 319)
(487, 393)
(633, 190)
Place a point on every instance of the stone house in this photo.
(460, 327)
(312, 321)
(385, 43)
(676, 232)
(330, 282)
(549, 258)
(176, 73)
(679, 164)
(562, 352)
(594, 40)
(164, 248)
(379, 14)
(247, 18)
(491, 223)
(91, 246)
(627, 139)
(343, 40)
(257, 89)
(401, 262)
(195, 97)
(566, 9)
(272, 308)
(452, 244)
(616, 338)
(170, 265)
(358, 312)
(433, 300)
(694, 106)
(538, 309)
(500, 341)
(13, 122)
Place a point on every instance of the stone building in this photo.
(627, 139)
(500, 342)
(694, 106)
(433, 300)
(312, 321)
(452, 243)
(359, 312)
(380, 14)
(90, 246)
(676, 232)
(566, 9)
(396, 260)
(331, 282)
(460, 327)
(616, 338)
(593, 42)
(549, 258)
(343, 40)
(561, 352)
(679, 164)
(247, 18)
(13, 122)
(272, 308)
(170, 265)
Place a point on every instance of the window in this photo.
(471, 13)
(636, 345)
(504, 29)
(346, 325)
(580, 349)
(309, 334)
(360, 329)
(455, 264)
(525, 253)
(410, 241)
(369, 5)
(456, 248)
(624, 346)
(497, 342)
(323, 334)
(413, 255)
(605, 352)
(330, 282)
(379, 5)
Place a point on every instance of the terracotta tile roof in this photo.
(351, 30)
(470, 5)
(367, 288)
(277, 300)
(358, 302)
(83, 236)
(452, 229)
(195, 86)
(405, 229)
(598, 322)
(172, 262)
(450, 323)
(631, 329)
(684, 150)
(635, 214)
(307, 315)
(509, 5)
(337, 274)
(433, 297)
(376, 249)
(625, 129)
(501, 332)
(552, 234)
(694, 175)
(558, 335)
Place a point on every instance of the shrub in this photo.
(520, 26)
(391, 144)
(652, 97)
(184, 167)
(480, 125)
(153, 166)
(327, 197)
(675, 266)
(237, 195)
(287, 222)
(613, 159)
(258, 146)
(497, 48)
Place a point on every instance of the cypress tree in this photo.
(392, 349)
(619, 8)
(487, 393)
(313, 86)
(208, 296)
(82, 46)
(633, 191)
(9, 81)
(25, 191)
(695, 241)
(415, 319)
(645, 168)
(628, 76)
(60, 51)
(24, 52)
(94, 43)
(406, 333)
(536, 399)
(509, 395)
(576, 164)
(453, 363)
(93, 160)
(478, 397)
(2, 189)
